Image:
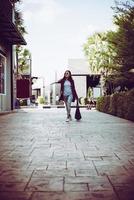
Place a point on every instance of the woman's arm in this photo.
(56, 82)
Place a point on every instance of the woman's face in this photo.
(67, 74)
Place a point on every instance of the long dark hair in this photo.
(70, 75)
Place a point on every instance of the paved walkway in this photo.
(42, 157)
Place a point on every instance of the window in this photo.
(2, 74)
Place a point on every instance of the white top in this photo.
(67, 88)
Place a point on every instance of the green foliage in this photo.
(99, 104)
(82, 100)
(22, 54)
(120, 104)
(129, 114)
(124, 80)
(123, 43)
(99, 53)
(19, 21)
(123, 37)
(112, 52)
(103, 103)
(89, 92)
(113, 104)
(23, 57)
(40, 100)
(23, 102)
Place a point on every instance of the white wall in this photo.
(80, 85)
(40, 84)
(78, 66)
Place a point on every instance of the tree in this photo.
(24, 61)
(19, 22)
(99, 53)
(123, 42)
(123, 39)
(23, 55)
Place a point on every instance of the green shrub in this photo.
(113, 104)
(23, 102)
(120, 112)
(99, 103)
(120, 104)
(106, 104)
(103, 103)
(129, 114)
(40, 100)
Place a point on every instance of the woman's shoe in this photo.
(70, 117)
(67, 120)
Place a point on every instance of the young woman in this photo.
(67, 92)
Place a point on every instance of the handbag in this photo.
(77, 112)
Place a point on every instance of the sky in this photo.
(57, 30)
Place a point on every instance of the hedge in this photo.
(119, 104)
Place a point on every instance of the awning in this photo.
(9, 32)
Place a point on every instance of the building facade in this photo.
(84, 81)
(79, 67)
(9, 36)
(87, 84)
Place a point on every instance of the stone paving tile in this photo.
(129, 168)
(57, 165)
(12, 186)
(15, 175)
(48, 195)
(113, 162)
(125, 192)
(76, 187)
(98, 180)
(122, 180)
(53, 173)
(131, 160)
(15, 195)
(82, 164)
(13, 165)
(94, 183)
(108, 195)
(46, 184)
(61, 196)
(43, 157)
(90, 158)
(111, 170)
(86, 195)
(85, 172)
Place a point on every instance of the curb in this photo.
(7, 112)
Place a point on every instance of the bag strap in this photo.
(77, 103)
